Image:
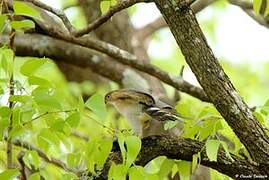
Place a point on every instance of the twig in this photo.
(247, 7)
(113, 10)
(57, 12)
(242, 4)
(143, 33)
(80, 136)
(46, 113)
(22, 165)
(43, 155)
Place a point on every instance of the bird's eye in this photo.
(108, 96)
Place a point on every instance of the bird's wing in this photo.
(162, 114)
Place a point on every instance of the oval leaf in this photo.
(25, 9)
(133, 146)
(212, 147)
(97, 105)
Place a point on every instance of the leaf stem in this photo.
(47, 113)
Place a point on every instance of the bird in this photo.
(145, 114)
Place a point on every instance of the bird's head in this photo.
(128, 96)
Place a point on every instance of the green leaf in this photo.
(20, 98)
(31, 66)
(184, 169)
(81, 105)
(259, 117)
(170, 124)
(9, 174)
(226, 149)
(121, 144)
(210, 127)
(133, 146)
(97, 105)
(7, 61)
(195, 159)
(16, 131)
(16, 115)
(3, 19)
(43, 97)
(4, 124)
(1, 91)
(33, 80)
(57, 125)
(20, 25)
(165, 168)
(191, 130)
(208, 112)
(73, 119)
(69, 176)
(25, 9)
(97, 152)
(266, 103)
(117, 172)
(90, 158)
(104, 149)
(67, 130)
(256, 6)
(33, 158)
(5, 112)
(106, 4)
(73, 159)
(46, 138)
(212, 147)
(267, 9)
(34, 176)
(137, 172)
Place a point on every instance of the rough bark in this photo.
(213, 79)
(37, 45)
(122, 56)
(184, 149)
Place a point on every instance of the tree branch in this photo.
(57, 12)
(43, 155)
(247, 7)
(50, 47)
(213, 79)
(22, 165)
(184, 149)
(126, 58)
(105, 17)
(143, 33)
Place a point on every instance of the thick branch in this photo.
(83, 57)
(126, 58)
(69, 53)
(183, 149)
(213, 79)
